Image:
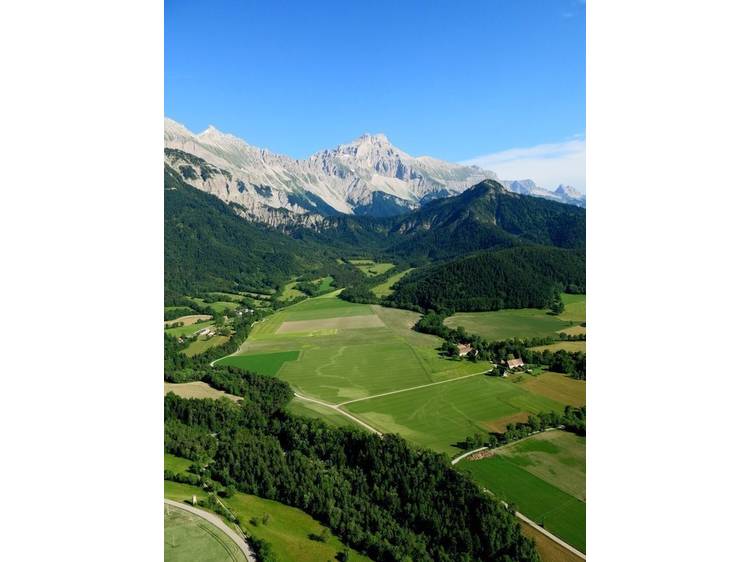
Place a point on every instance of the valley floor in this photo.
(363, 365)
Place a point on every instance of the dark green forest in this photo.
(208, 247)
(380, 495)
(519, 277)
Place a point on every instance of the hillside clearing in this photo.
(188, 537)
(197, 389)
(287, 529)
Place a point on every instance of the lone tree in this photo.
(558, 306)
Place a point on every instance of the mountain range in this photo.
(369, 176)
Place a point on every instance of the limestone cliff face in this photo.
(368, 176)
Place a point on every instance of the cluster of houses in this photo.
(208, 332)
(509, 366)
(242, 311)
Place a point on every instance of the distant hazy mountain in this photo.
(563, 193)
(368, 176)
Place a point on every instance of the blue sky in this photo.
(499, 83)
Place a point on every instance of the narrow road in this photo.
(340, 411)
(461, 457)
(413, 388)
(218, 522)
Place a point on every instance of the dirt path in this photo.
(218, 522)
(461, 457)
(412, 388)
(340, 411)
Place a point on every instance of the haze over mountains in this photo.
(368, 176)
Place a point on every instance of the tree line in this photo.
(560, 361)
(572, 419)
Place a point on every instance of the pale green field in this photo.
(372, 269)
(571, 346)
(287, 529)
(575, 308)
(521, 323)
(441, 415)
(218, 306)
(557, 457)
(386, 288)
(202, 344)
(289, 292)
(349, 363)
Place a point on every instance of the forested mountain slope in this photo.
(489, 215)
(208, 247)
(483, 217)
(519, 277)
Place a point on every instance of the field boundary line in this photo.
(413, 388)
(216, 521)
(340, 411)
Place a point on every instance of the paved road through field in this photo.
(217, 521)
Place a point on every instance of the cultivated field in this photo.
(549, 550)
(188, 537)
(264, 363)
(556, 386)
(340, 323)
(558, 512)
(196, 389)
(386, 288)
(442, 415)
(557, 457)
(522, 323)
(353, 360)
(288, 530)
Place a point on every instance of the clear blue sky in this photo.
(455, 80)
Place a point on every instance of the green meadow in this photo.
(176, 464)
(442, 415)
(264, 363)
(288, 530)
(202, 344)
(188, 537)
(521, 323)
(386, 288)
(340, 364)
(534, 474)
(312, 410)
(371, 268)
